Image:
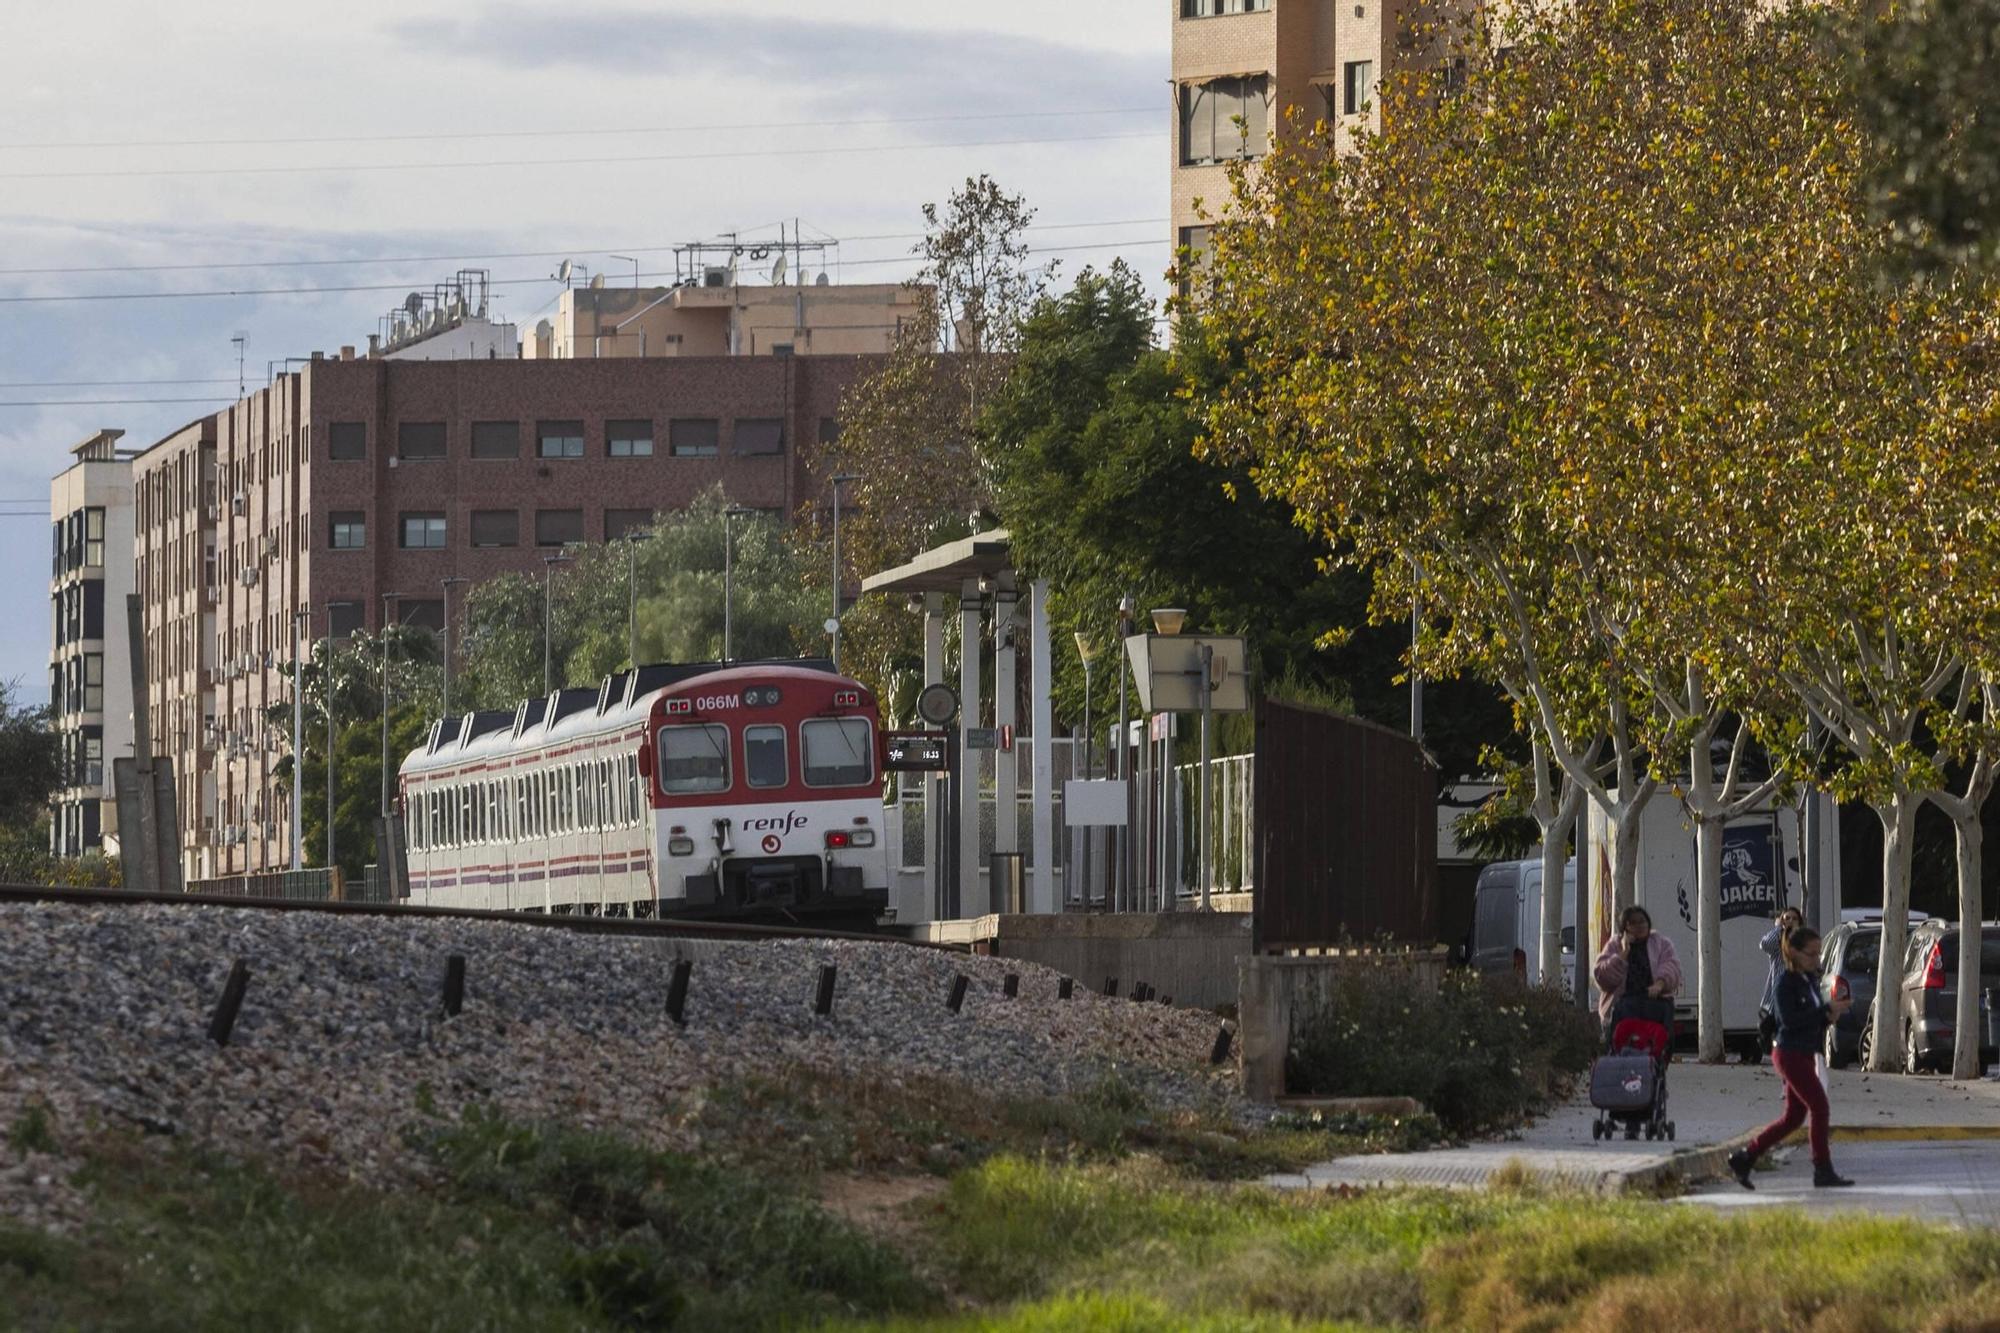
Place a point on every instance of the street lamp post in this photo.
(632, 596)
(635, 267)
(387, 598)
(326, 702)
(448, 583)
(1128, 610)
(837, 480)
(729, 580)
(299, 626)
(549, 563)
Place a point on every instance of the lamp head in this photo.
(1084, 648)
(1169, 619)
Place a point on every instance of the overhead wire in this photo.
(502, 254)
(441, 136)
(310, 168)
(338, 288)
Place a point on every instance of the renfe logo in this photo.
(784, 823)
(772, 842)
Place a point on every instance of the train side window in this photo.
(839, 752)
(632, 802)
(764, 756)
(694, 758)
(610, 812)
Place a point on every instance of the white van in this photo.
(1761, 874)
(1507, 920)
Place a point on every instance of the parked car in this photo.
(1928, 998)
(1507, 920)
(1849, 958)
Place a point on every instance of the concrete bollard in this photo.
(226, 1008)
(677, 992)
(454, 985)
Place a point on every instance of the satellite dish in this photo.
(778, 272)
(821, 280)
(596, 281)
(413, 303)
(562, 274)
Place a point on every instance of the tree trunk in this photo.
(1555, 843)
(1708, 939)
(1899, 820)
(1623, 826)
(1965, 1049)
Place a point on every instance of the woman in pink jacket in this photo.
(1637, 973)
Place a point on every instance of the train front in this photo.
(766, 793)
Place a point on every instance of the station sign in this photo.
(916, 752)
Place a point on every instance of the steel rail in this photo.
(668, 927)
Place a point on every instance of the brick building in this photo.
(290, 515)
(1255, 60)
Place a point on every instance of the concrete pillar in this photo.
(1006, 772)
(971, 900)
(1043, 895)
(933, 782)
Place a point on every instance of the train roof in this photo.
(620, 700)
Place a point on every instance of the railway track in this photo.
(670, 928)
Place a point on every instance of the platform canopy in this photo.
(948, 568)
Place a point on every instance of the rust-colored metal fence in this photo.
(1345, 832)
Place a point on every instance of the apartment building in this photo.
(1239, 67)
(717, 316)
(90, 689)
(349, 489)
(174, 569)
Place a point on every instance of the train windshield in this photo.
(694, 759)
(839, 752)
(764, 756)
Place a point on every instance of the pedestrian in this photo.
(1637, 974)
(1802, 1019)
(1773, 944)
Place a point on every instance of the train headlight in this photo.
(680, 846)
(861, 837)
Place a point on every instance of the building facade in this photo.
(176, 518)
(348, 490)
(1242, 67)
(90, 683)
(724, 318)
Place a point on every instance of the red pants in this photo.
(1803, 1095)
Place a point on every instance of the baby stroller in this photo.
(1628, 1086)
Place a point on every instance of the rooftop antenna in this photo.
(241, 388)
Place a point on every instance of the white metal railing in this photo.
(1231, 825)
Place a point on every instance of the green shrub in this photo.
(1480, 1053)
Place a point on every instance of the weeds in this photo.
(33, 1130)
(1480, 1053)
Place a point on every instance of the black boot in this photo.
(1740, 1164)
(1825, 1177)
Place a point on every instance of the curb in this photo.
(1696, 1166)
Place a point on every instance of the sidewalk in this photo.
(1713, 1107)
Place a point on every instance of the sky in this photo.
(157, 149)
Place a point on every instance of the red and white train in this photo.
(731, 790)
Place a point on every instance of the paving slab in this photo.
(1715, 1108)
(1951, 1180)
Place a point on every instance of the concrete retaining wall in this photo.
(1192, 957)
(1279, 995)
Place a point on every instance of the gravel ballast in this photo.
(104, 1015)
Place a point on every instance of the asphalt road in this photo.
(1940, 1180)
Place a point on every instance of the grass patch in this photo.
(1116, 1245)
(809, 1122)
(530, 1228)
(34, 1130)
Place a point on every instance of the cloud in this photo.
(843, 68)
